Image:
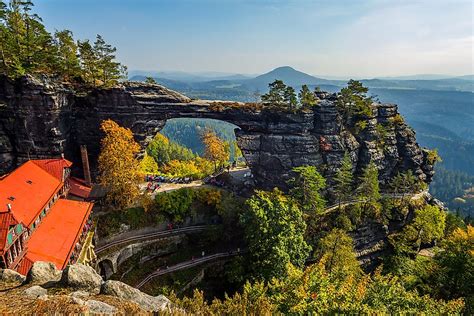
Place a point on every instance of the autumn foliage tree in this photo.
(216, 149)
(118, 165)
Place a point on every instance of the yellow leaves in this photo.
(148, 165)
(215, 149)
(162, 138)
(460, 237)
(118, 166)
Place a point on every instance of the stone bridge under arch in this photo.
(40, 118)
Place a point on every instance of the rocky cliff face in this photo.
(39, 119)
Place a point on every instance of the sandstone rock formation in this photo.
(81, 289)
(42, 119)
(10, 276)
(43, 272)
(81, 277)
(36, 291)
(145, 301)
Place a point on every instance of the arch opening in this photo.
(183, 150)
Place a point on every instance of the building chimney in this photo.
(9, 206)
(85, 165)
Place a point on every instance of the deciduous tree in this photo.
(274, 230)
(336, 252)
(118, 165)
(216, 149)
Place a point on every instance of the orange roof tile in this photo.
(56, 236)
(79, 188)
(54, 167)
(27, 189)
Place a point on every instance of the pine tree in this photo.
(344, 180)
(290, 98)
(89, 62)
(369, 191)
(275, 95)
(353, 100)
(109, 70)
(150, 80)
(68, 60)
(307, 98)
(368, 188)
(306, 189)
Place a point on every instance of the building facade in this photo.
(39, 219)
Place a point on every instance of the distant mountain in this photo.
(289, 75)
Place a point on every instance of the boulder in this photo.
(10, 276)
(43, 272)
(97, 307)
(80, 294)
(36, 291)
(126, 292)
(78, 301)
(81, 277)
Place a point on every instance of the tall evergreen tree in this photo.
(307, 98)
(89, 62)
(109, 70)
(344, 180)
(369, 191)
(306, 188)
(368, 188)
(290, 98)
(276, 94)
(353, 100)
(68, 60)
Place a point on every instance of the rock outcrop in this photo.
(36, 291)
(80, 290)
(81, 277)
(42, 119)
(145, 301)
(43, 272)
(10, 276)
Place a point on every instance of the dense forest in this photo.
(26, 47)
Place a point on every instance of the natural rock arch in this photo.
(272, 141)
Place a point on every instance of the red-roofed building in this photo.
(37, 222)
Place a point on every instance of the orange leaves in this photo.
(216, 149)
(118, 165)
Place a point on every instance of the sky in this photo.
(360, 38)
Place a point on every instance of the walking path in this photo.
(152, 235)
(335, 206)
(186, 265)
